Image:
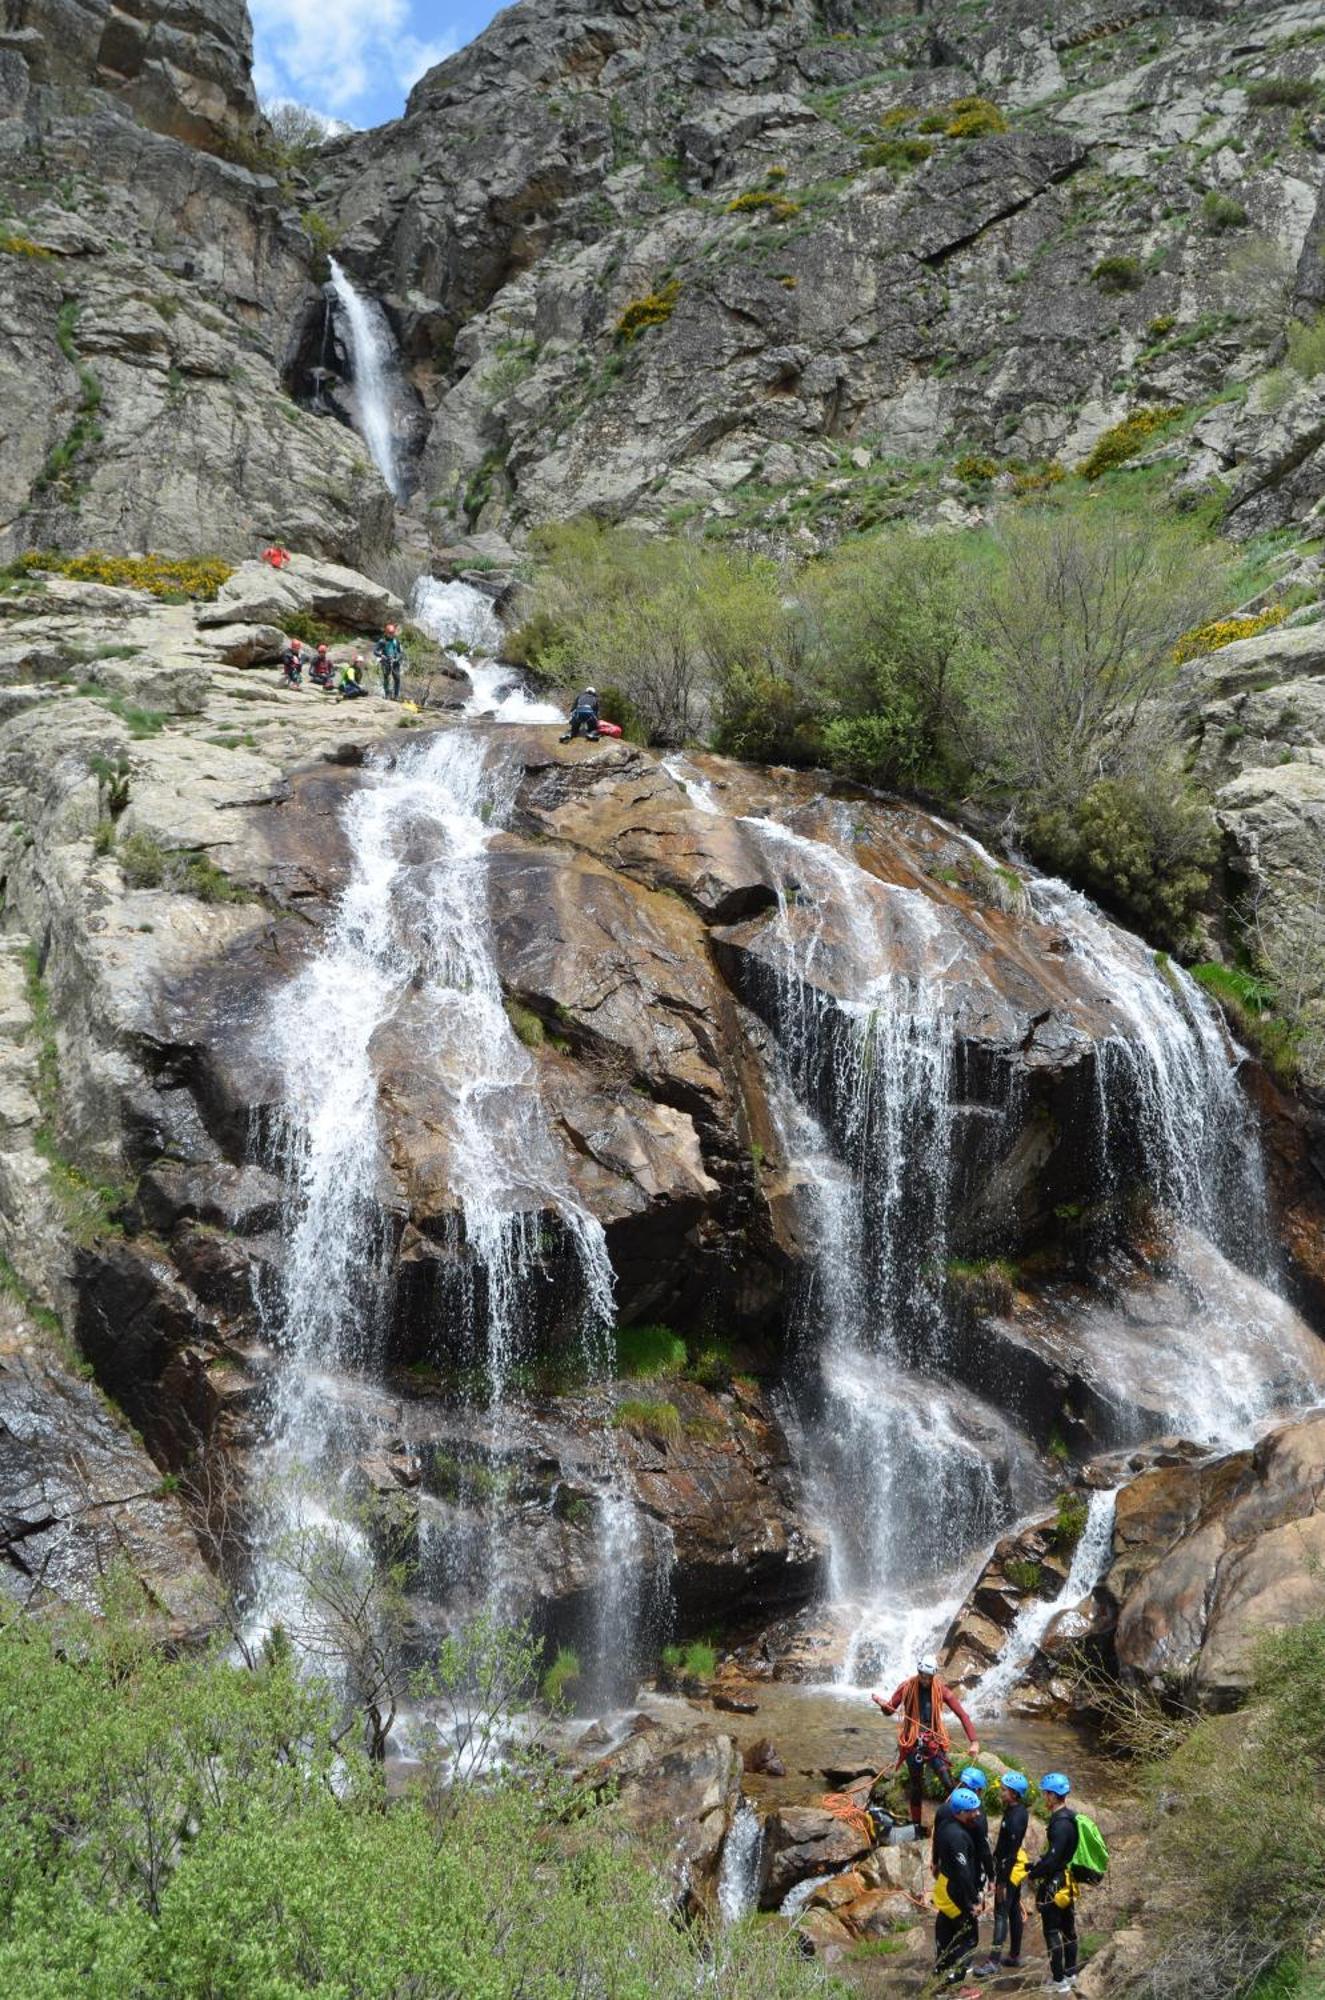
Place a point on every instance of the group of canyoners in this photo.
(970, 1875)
(347, 679)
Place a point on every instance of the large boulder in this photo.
(801, 1841)
(1213, 1555)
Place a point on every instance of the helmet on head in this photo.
(973, 1778)
(296, 644)
(964, 1799)
(591, 690)
(390, 631)
(927, 1665)
(1015, 1781)
(322, 646)
(1055, 1782)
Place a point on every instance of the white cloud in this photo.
(341, 54)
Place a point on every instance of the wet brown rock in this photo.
(800, 1841)
(683, 1785)
(880, 1912)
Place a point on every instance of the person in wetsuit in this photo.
(1055, 1891)
(922, 1737)
(583, 717)
(972, 1779)
(957, 1886)
(1010, 1868)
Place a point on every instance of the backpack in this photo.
(1091, 1861)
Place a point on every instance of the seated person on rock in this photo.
(292, 662)
(922, 1736)
(584, 717)
(350, 684)
(322, 672)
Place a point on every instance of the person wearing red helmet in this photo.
(323, 668)
(292, 660)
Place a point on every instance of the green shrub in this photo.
(1070, 1521)
(1023, 1575)
(1306, 347)
(976, 468)
(174, 1824)
(974, 118)
(1220, 212)
(142, 861)
(1119, 274)
(767, 718)
(762, 201)
(710, 1366)
(654, 309)
(1128, 438)
(1294, 91)
(1146, 849)
(898, 154)
(646, 1352)
(527, 1025)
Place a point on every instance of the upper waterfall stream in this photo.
(375, 383)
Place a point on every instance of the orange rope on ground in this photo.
(850, 1811)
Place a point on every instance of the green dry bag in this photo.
(1091, 1860)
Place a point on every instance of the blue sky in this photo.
(356, 59)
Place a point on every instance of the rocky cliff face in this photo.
(788, 267)
(149, 286)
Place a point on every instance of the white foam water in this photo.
(375, 364)
(410, 944)
(739, 1867)
(457, 615)
(1090, 1560)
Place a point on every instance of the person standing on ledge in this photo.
(922, 1737)
(957, 1887)
(390, 657)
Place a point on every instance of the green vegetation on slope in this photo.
(1013, 664)
(180, 1828)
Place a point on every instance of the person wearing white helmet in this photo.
(922, 1736)
(584, 717)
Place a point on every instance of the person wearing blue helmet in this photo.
(957, 1899)
(972, 1779)
(1055, 1891)
(1010, 1867)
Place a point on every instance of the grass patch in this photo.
(146, 864)
(643, 1353)
(561, 1677)
(697, 1661)
(528, 1027)
(1073, 1510)
(1119, 274)
(1023, 1575)
(659, 1420)
(88, 1207)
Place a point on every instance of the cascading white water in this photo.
(457, 615)
(738, 1870)
(1090, 1560)
(410, 943)
(1174, 1071)
(375, 379)
(904, 1470)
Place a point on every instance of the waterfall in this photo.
(457, 615)
(375, 377)
(409, 947)
(1090, 1560)
(911, 1477)
(738, 1870)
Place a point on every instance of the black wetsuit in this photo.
(1050, 1876)
(293, 664)
(957, 1877)
(979, 1834)
(1009, 1922)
